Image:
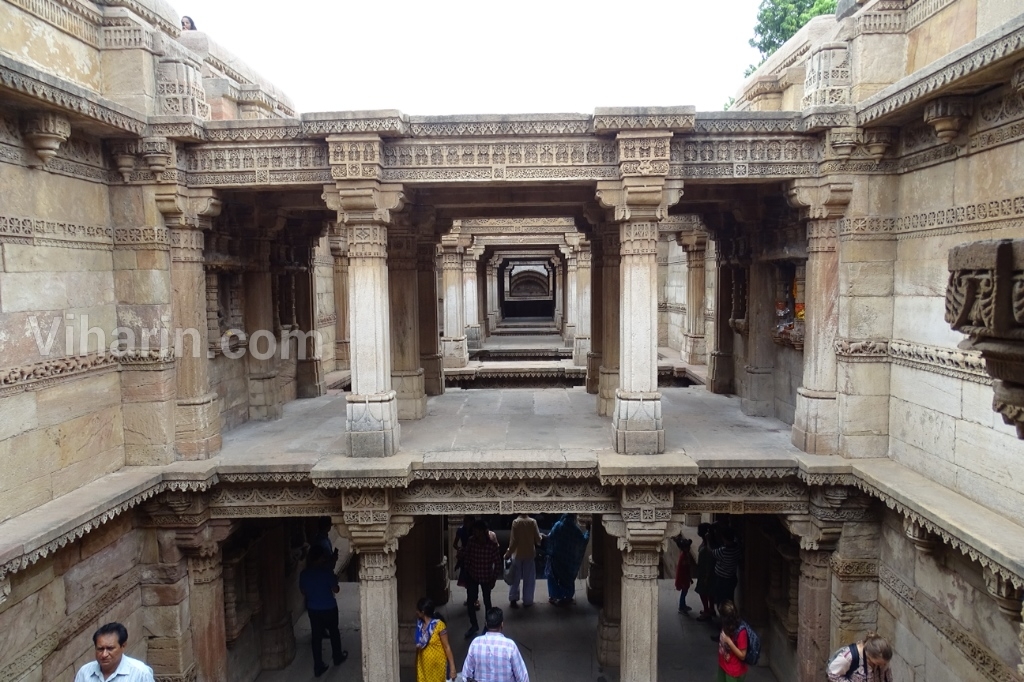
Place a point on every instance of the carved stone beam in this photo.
(985, 300)
(1017, 81)
(820, 199)
(947, 115)
(45, 132)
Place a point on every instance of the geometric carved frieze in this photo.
(853, 570)
(273, 501)
(37, 232)
(742, 156)
(504, 497)
(742, 497)
(57, 370)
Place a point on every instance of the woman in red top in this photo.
(732, 646)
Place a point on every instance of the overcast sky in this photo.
(462, 57)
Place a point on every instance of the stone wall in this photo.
(934, 607)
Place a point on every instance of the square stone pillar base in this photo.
(454, 352)
(473, 336)
(433, 374)
(608, 384)
(412, 399)
(816, 422)
(694, 351)
(341, 355)
(720, 372)
(637, 423)
(593, 372)
(580, 350)
(309, 379)
(569, 335)
(265, 401)
(371, 424)
(609, 636)
(759, 400)
(197, 427)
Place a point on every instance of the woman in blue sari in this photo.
(565, 544)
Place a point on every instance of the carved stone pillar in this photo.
(471, 296)
(411, 580)
(758, 396)
(816, 424)
(374, 533)
(640, 199)
(694, 351)
(813, 644)
(430, 349)
(637, 415)
(197, 420)
(581, 340)
(407, 377)
(310, 375)
(492, 296)
(571, 296)
(609, 623)
(594, 357)
(265, 401)
(559, 294)
(277, 636)
(372, 407)
(719, 334)
(595, 572)
(854, 584)
(454, 351)
(641, 527)
(339, 250)
(611, 304)
(202, 547)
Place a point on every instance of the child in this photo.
(683, 570)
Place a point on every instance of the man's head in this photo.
(480, 529)
(494, 618)
(109, 642)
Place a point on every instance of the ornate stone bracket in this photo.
(1008, 597)
(45, 131)
(985, 300)
(924, 541)
(947, 115)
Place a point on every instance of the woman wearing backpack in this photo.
(732, 646)
(863, 661)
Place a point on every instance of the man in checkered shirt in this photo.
(493, 657)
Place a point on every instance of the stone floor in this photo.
(558, 644)
(703, 426)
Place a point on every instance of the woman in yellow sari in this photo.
(434, 659)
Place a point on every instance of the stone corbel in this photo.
(157, 152)
(183, 207)
(5, 590)
(45, 131)
(985, 300)
(844, 140)
(924, 540)
(947, 115)
(1017, 81)
(820, 199)
(877, 141)
(123, 154)
(639, 198)
(368, 202)
(339, 241)
(1008, 597)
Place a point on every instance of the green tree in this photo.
(779, 20)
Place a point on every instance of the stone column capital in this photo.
(645, 198)
(820, 198)
(185, 208)
(361, 202)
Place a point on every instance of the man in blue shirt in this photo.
(319, 585)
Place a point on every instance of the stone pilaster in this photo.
(594, 357)
(608, 382)
(854, 585)
(143, 290)
(816, 425)
(339, 251)
(166, 615)
(694, 351)
(454, 351)
(310, 374)
(718, 337)
(407, 377)
(609, 623)
(813, 645)
(364, 207)
(471, 296)
(197, 420)
(411, 580)
(430, 348)
(581, 341)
